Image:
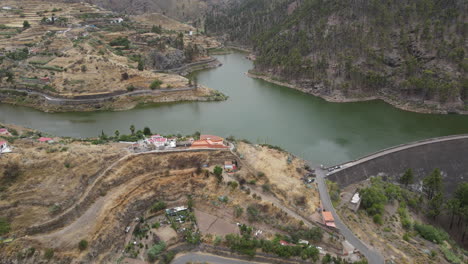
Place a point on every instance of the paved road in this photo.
(58, 99)
(372, 256)
(202, 258)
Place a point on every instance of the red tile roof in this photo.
(211, 137)
(206, 144)
(2, 142)
(327, 216)
(45, 139)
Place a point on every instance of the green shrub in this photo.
(158, 206)
(155, 250)
(378, 219)
(82, 245)
(120, 41)
(406, 237)
(431, 233)
(156, 84)
(49, 253)
(4, 226)
(450, 255)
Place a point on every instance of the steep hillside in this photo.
(181, 9)
(410, 52)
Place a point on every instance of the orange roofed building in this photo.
(209, 141)
(328, 219)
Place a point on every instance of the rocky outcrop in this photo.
(164, 61)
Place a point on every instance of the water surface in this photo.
(261, 112)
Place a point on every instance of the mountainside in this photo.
(180, 9)
(402, 51)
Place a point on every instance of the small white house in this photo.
(7, 8)
(117, 20)
(4, 148)
(172, 142)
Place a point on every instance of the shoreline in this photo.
(405, 106)
(121, 102)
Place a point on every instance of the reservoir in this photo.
(261, 112)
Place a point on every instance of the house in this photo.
(328, 219)
(4, 132)
(45, 79)
(158, 141)
(209, 141)
(230, 166)
(7, 8)
(355, 202)
(176, 210)
(4, 148)
(117, 20)
(172, 142)
(46, 139)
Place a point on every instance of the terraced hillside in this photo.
(70, 50)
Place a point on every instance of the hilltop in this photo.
(409, 53)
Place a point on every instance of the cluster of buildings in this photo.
(161, 143)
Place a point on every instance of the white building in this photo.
(172, 142)
(4, 148)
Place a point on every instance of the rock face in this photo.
(164, 61)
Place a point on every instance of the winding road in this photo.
(207, 258)
(372, 256)
(99, 99)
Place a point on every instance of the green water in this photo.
(261, 112)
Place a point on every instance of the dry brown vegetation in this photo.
(284, 178)
(76, 57)
(71, 191)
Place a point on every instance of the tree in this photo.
(435, 205)
(453, 206)
(141, 66)
(197, 135)
(117, 134)
(26, 24)
(132, 129)
(432, 184)
(218, 172)
(407, 178)
(103, 135)
(82, 245)
(156, 29)
(147, 131)
(83, 68)
(373, 200)
(156, 84)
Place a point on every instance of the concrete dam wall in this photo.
(449, 154)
